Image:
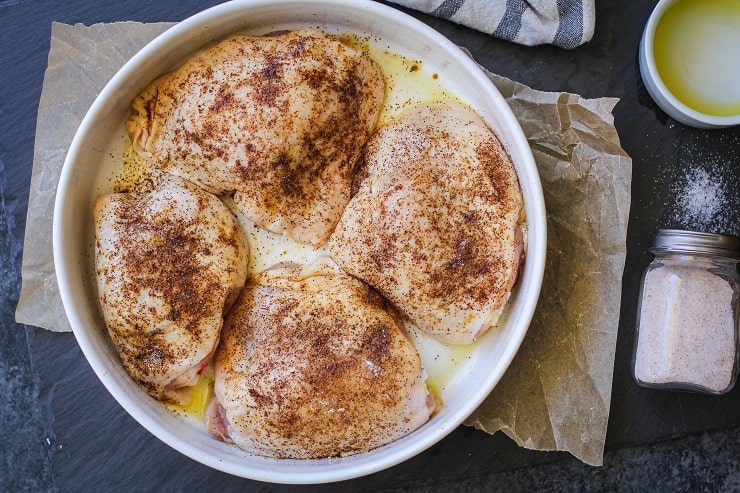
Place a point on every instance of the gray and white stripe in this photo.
(563, 23)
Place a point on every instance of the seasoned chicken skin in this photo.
(169, 263)
(436, 224)
(314, 363)
(279, 121)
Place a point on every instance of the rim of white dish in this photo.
(531, 278)
(646, 45)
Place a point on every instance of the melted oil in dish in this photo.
(201, 394)
(137, 175)
(440, 361)
(267, 248)
(408, 83)
(697, 53)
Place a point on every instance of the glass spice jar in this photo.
(687, 317)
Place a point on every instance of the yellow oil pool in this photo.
(697, 53)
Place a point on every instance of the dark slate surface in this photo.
(61, 431)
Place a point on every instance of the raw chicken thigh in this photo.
(279, 121)
(436, 224)
(314, 363)
(168, 263)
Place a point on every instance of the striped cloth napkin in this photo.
(563, 23)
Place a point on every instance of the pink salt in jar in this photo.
(687, 321)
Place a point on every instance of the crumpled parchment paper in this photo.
(556, 393)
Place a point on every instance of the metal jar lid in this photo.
(677, 240)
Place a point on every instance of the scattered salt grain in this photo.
(701, 199)
(703, 189)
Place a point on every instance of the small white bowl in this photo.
(657, 88)
(95, 156)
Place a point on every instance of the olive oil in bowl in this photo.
(697, 54)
